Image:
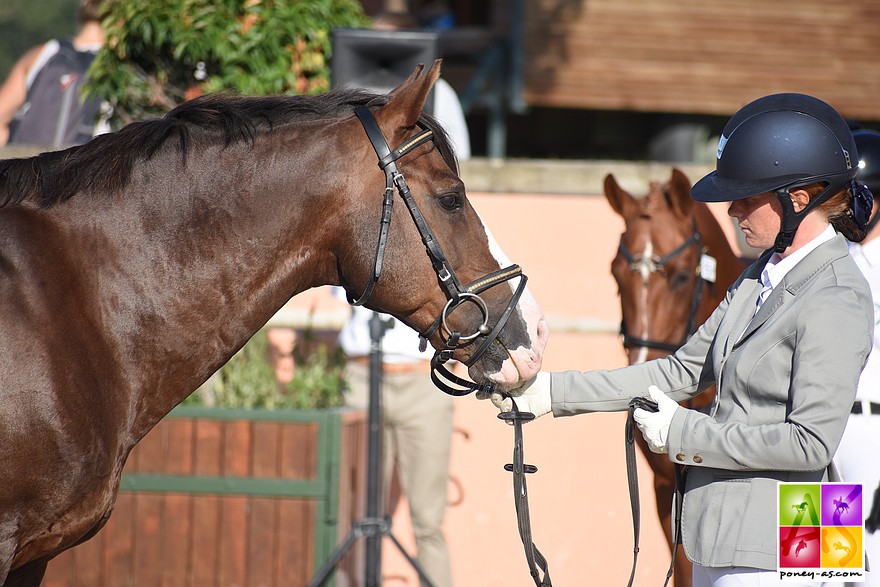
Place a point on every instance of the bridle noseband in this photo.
(645, 266)
(456, 293)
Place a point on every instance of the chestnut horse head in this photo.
(672, 268)
(133, 267)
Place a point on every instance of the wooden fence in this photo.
(217, 497)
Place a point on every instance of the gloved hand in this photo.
(655, 425)
(533, 396)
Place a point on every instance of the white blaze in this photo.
(522, 363)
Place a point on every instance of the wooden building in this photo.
(536, 71)
(707, 57)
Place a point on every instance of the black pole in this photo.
(375, 469)
(376, 524)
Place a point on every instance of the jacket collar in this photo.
(794, 281)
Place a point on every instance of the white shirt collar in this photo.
(777, 268)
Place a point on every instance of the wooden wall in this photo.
(707, 57)
(221, 501)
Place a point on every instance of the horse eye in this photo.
(679, 279)
(451, 201)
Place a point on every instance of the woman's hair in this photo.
(838, 210)
(90, 10)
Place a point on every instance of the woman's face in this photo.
(759, 218)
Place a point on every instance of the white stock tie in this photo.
(767, 287)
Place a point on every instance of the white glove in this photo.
(533, 396)
(655, 425)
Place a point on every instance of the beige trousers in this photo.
(416, 442)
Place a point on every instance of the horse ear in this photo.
(406, 101)
(621, 201)
(680, 194)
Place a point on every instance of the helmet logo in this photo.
(721, 142)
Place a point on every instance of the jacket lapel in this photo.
(793, 282)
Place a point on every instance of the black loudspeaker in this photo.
(379, 61)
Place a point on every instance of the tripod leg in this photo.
(411, 560)
(331, 563)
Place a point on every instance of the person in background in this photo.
(281, 342)
(417, 431)
(785, 348)
(856, 461)
(41, 103)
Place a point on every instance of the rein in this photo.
(519, 469)
(457, 294)
(647, 265)
(632, 478)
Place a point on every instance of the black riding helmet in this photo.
(778, 143)
(868, 144)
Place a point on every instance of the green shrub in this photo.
(158, 54)
(248, 379)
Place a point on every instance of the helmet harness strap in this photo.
(860, 208)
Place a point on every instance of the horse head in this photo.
(463, 295)
(657, 265)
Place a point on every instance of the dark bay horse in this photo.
(672, 268)
(134, 266)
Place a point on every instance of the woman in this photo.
(785, 347)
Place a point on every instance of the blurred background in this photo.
(556, 94)
(636, 80)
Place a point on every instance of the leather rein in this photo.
(453, 339)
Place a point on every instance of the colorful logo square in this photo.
(799, 504)
(842, 547)
(820, 532)
(799, 547)
(842, 504)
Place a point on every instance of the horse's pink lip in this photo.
(523, 363)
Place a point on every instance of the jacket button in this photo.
(680, 457)
(698, 459)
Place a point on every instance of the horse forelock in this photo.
(105, 164)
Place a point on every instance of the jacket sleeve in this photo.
(681, 375)
(832, 339)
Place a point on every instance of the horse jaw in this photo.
(522, 363)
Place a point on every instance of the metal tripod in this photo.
(375, 525)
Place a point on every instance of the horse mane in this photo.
(105, 163)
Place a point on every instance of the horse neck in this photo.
(199, 266)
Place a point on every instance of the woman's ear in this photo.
(799, 199)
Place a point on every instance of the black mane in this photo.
(105, 163)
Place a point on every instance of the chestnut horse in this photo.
(672, 268)
(134, 266)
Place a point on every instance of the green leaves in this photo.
(248, 379)
(160, 53)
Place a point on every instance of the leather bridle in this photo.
(456, 294)
(645, 266)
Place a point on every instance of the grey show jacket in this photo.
(786, 379)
